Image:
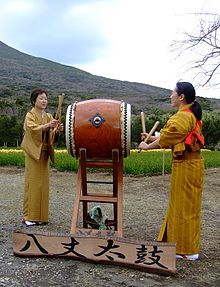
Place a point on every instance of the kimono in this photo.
(182, 221)
(36, 147)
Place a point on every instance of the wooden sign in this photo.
(149, 256)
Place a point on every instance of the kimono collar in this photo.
(38, 113)
(185, 107)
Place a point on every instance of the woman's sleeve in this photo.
(32, 141)
(176, 129)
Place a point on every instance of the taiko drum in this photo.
(99, 126)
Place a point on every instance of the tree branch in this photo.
(206, 45)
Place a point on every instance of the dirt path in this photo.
(145, 202)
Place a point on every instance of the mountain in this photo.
(20, 73)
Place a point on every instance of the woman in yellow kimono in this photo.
(37, 128)
(182, 133)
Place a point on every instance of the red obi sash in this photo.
(194, 134)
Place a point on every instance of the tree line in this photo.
(11, 129)
(210, 124)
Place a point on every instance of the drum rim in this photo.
(125, 128)
(70, 144)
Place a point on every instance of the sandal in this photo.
(29, 223)
(41, 223)
(191, 257)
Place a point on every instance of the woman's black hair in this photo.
(189, 92)
(35, 94)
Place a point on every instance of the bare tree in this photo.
(205, 47)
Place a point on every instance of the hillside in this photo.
(20, 73)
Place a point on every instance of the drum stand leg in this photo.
(84, 197)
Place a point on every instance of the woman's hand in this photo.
(152, 145)
(143, 145)
(51, 124)
(59, 128)
(144, 136)
(151, 139)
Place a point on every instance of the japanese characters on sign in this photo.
(154, 256)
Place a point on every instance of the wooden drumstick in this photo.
(151, 131)
(60, 102)
(143, 123)
(52, 133)
(58, 112)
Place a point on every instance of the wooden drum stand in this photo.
(84, 197)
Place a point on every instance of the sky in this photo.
(127, 40)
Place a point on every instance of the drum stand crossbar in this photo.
(84, 197)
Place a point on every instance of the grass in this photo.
(144, 163)
(150, 162)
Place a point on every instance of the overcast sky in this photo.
(119, 39)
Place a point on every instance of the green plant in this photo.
(144, 163)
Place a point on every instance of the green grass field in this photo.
(144, 163)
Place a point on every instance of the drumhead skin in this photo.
(99, 126)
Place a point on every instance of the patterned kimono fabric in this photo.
(182, 221)
(35, 145)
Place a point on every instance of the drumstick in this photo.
(143, 123)
(58, 112)
(151, 131)
(60, 102)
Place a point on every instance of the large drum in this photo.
(99, 126)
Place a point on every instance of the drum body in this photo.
(99, 126)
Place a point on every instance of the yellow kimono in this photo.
(36, 148)
(182, 221)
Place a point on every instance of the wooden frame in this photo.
(84, 197)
